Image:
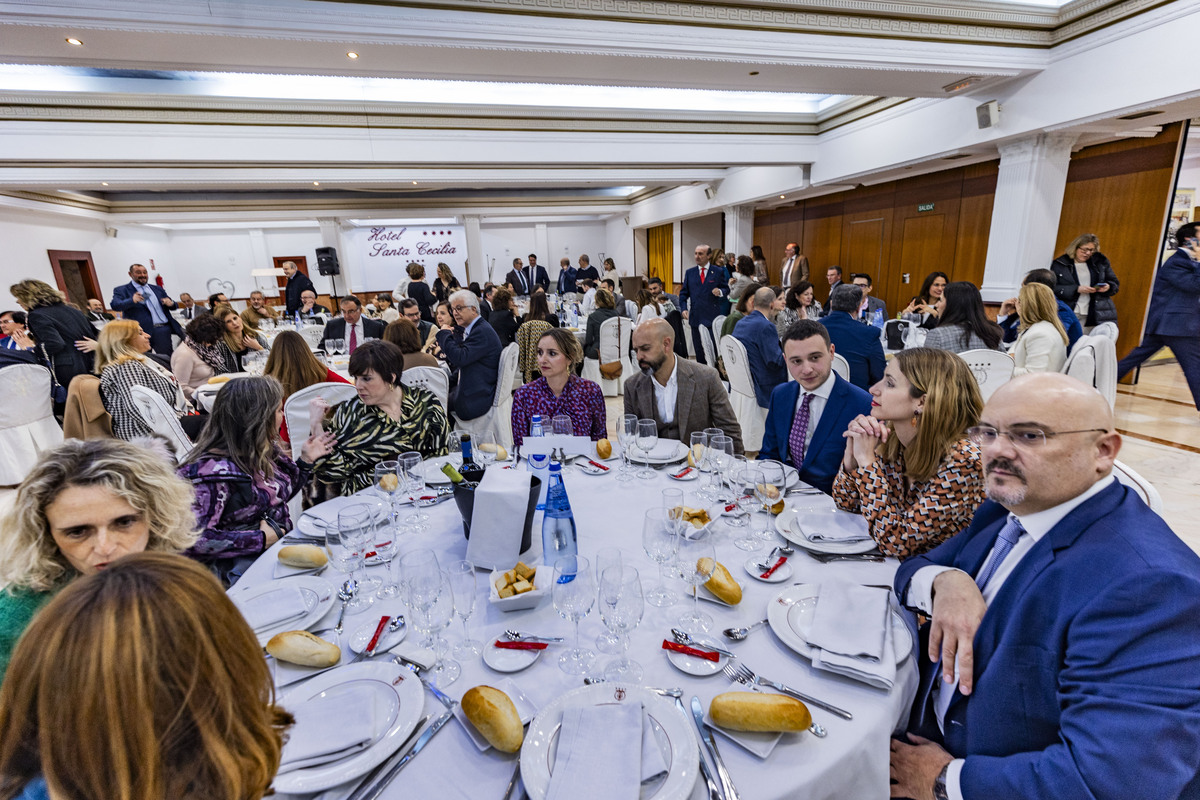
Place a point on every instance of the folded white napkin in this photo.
(326, 514)
(599, 754)
(498, 518)
(273, 607)
(852, 627)
(331, 728)
(830, 526)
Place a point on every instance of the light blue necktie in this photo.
(1008, 539)
(152, 304)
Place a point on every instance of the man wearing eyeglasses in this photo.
(472, 348)
(1060, 659)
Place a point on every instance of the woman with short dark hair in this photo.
(202, 354)
(503, 318)
(418, 290)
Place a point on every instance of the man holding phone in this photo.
(1173, 320)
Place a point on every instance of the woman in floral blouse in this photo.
(385, 420)
(243, 477)
(909, 467)
(559, 390)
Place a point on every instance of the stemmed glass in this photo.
(720, 452)
(346, 552)
(485, 448)
(413, 565)
(607, 557)
(563, 425)
(335, 346)
(647, 439)
(696, 558)
(462, 582)
(574, 593)
(387, 484)
(659, 528)
(627, 437)
(362, 529)
(432, 611)
(699, 452)
(769, 491)
(414, 481)
(621, 608)
(745, 483)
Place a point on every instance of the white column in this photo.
(1029, 197)
(541, 246)
(739, 230)
(477, 269)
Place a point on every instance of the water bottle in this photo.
(536, 426)
(558, 524)
(877, 318)
(299, 324)
(539, 464)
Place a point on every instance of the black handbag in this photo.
(58, 392)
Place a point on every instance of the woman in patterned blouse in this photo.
(909, 467)
(559, 390)
(385, 420)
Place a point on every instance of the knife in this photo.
(728, 788)
(370, 776)
(373, 792)
(714, 791)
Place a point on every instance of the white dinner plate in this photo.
(431, 468)
(313, 527)
(525, 710)
(673, 731)
(666, 451)
(786, 524)
(503, 660)
(319, 596)
(400, 693)
(790, 615)
(778, 576)
(697, 666)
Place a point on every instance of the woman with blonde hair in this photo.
(909, 467)
(240, 338)
(84, 504)
(1085, 281)
(1042, 343)
(65, 338)
(142, 682)
(293, 364)
(122, 363)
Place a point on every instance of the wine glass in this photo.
(346, 551)
(414, 481)
(696, 559)
(462, 583)
(627, 437)
(769, 492)
(413, 565)
(335, 346)
(485, 448)
(745, 482)
(698, 450)
(647, 439)
(658, 540)
(433, 611)
(387, 484)
(621, 608)
(363, 531)
(720, 453)
(563, 425)
(672, 498)
(607, 557)
(574, 593)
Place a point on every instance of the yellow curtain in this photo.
(659, 241)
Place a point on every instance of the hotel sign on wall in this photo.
(384, 252)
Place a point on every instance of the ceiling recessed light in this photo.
(352, 55)
(782, 196)
(755, 72)
(74, 41)
(104, 183)
(316, 183)
(414, 183)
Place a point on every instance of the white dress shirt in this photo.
(785, 278)
(920, 595)
(665, 396)
(820, 396)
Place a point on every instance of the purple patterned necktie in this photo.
(799, 431)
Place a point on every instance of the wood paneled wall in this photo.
(1121, 192)
(880, 230)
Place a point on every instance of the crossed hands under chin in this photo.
(863, 436)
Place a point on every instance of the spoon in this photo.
(345, 594)
(737, 634)
(684, 638)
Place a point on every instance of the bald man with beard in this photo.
(1060, 657)
(681, 396)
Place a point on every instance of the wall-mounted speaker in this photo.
(988, 114)
(327, 261)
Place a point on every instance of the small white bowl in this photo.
(519, 602)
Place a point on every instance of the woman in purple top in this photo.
(559, 390)
(242, 476)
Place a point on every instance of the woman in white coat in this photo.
(1042, 345)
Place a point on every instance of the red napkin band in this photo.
(505, 645)
(731, 507)
(782, 560)
(682, 473)
(691, 651)
(383, 621)
(598, 465)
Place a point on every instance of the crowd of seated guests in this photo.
(962, 321)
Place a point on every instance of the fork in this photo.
(746, 676)
(517, 636)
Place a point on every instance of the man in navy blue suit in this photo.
(472, 349)
(1060, 659)
(702, 297)
(808, 416)
(764, 356)
(149, 306)
(857, 343)
(1174, 318)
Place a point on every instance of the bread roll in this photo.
(215, 379)
(493, 714)
(604, 448)
(721, 583)
(754, 711)
(303, 648)
(307, 556)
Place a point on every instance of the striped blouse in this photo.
(116, 381)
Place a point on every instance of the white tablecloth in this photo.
(852, 762)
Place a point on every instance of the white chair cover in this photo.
(1107, 329)
(614, 346)
(498, 419)
(27, 425)
(158, 414)
(295, 408)
(433, 379)
(1093, 360)
(718, 323)
(1128, 476)
(312, 334)
(710, 350)
(750, 415)
(841, 366)
(991, 369)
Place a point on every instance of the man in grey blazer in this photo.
(682, 396)
(868, 305)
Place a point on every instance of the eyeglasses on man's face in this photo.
(1026, 438)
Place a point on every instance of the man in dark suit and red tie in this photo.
(702, 297)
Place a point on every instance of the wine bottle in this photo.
(470, 469)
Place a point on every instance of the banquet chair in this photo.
(295, 408)
(155, 412)
(1093, 360)
(614, 346)
(1145, 490)
(498, 419)
(312, 334)
(1106, 329)
(432, 379)
(841, 366)
(991, 369)
(707, 342)
(527, 338)
(718, 323)
(750, 415)
(27, 425)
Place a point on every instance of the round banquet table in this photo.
(851, 762)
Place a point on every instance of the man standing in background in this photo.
(149, 306)
(297, 282)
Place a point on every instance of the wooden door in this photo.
(75, 275)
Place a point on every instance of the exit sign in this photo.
(924, 207)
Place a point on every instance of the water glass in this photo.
(720, 453)
(770, 492)
(335, 346)
(414, 483)
(462, 583)
(627, 437)
(413, 565)
(432, 612)
(745, 482)
(574, 594)
(658, 541)
(621, 608)
(696, 559)
(346, 551)
(365, 537)
(563, 425)
(647, 440)
(485, 449)
(387, 485)
(606, 557)
(698, 444)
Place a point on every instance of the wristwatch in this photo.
(939, 785)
